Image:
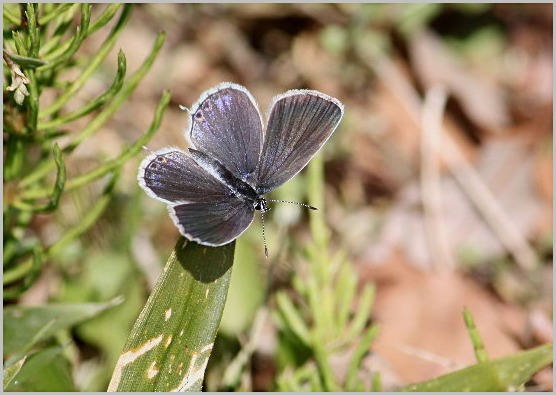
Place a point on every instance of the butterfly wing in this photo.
(172, 176)
(299, 123)
(213, 224)
(226, 124)
(202, 207)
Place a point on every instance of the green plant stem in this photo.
(105, 17)
(80, 35)
(11, 18)
(54, 13)
(120, 98)
(478, 345)
(33, 102)
(58, 122)
(104, 115)
(128, 153)
(52, 48)
(93, 64)
(89, 219)
(58, 187)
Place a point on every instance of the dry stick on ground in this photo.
(431, 192)
(469, 180)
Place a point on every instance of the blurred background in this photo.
(436, 218)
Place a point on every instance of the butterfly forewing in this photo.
(172, 176)
(213, 224)
(226, 124)
(299, 124)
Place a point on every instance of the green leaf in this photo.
(45, 371)
(26, 62)
(171, 341)
(478, 345)
(11, 371)
(54, 13)
(504, 374)
(292, 319)
(25, 326)
(362, 349)
(104, 18)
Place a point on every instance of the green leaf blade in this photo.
(172, 339)
(503, 374)
(25, 326)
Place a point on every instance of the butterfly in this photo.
(213, 189)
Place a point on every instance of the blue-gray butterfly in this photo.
(213, 190)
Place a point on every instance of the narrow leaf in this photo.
(58, 186)
(56, 11)
(104, 18)
(11, 371)
(128, 152)
(93, 64)
(478, 346)
(94, 104)
(45, 371)
(25, 326)
(504, 374)
(26, 62)
(292, 320)
(80, 35)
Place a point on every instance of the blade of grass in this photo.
(171, 341)
(293, 320)
(31, 271)
(363, 313)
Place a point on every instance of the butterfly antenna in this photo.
(299, 204)
(264, 237)
(184, 108)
